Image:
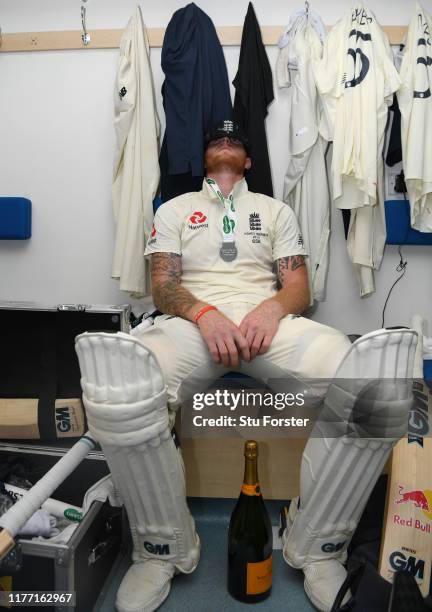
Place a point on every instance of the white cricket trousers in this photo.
(301, 348)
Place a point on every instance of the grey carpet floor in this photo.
(205, 589)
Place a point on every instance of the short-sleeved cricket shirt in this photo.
(191, 225)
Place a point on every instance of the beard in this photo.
(225, 160)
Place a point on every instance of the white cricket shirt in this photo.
(415, 102)
(191, 226)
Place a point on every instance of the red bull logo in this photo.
(419, 498)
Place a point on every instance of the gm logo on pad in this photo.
(157, 549)
(331, 547)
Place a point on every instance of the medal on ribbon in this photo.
(228, 250)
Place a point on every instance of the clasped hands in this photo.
(228, 342)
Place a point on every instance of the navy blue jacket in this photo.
(196, 97)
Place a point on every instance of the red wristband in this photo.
(203, 310)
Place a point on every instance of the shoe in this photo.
(145, 586)
(323, 579)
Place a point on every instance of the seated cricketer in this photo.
(229, 274)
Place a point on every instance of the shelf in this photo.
(110, 39)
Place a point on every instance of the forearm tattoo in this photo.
(168, 294)
(286, 264)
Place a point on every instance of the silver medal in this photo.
(228, 251)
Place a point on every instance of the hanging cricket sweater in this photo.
(356, 79)
(305, 185)
(136, 169)
(415, 102)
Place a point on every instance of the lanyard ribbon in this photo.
(229, 220)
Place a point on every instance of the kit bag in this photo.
(371, 592)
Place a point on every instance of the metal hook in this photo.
(307, 9)
(85, 36)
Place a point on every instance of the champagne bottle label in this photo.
(254, 489)
(259, 577)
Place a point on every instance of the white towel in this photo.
(40, 524)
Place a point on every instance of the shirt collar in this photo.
(240, 189)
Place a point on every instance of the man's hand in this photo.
(260, 326)
(224, 339)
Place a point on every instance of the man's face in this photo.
(226, 152)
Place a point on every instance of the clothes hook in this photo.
(307, 9)
(85, 36)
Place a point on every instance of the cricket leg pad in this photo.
(125, 400)
(322, 579)
(319, 532)
(346, 453)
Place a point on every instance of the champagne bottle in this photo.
(250, 539)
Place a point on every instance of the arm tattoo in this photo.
(168, 294)
(285, 264)
(166, 265)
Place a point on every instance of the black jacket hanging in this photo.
(196, 97)
(394, 150)
(254, 92)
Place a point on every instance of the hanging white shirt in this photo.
(356, 79)
(136, 167)
(306, 187)
(415, 103)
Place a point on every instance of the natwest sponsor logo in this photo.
(197, 220)
(197, 217)
(152, 238)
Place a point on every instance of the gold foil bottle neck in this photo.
(251, 449)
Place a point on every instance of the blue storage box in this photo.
(15, 218)
(427, 369)
(398, 223)
(156, 203)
